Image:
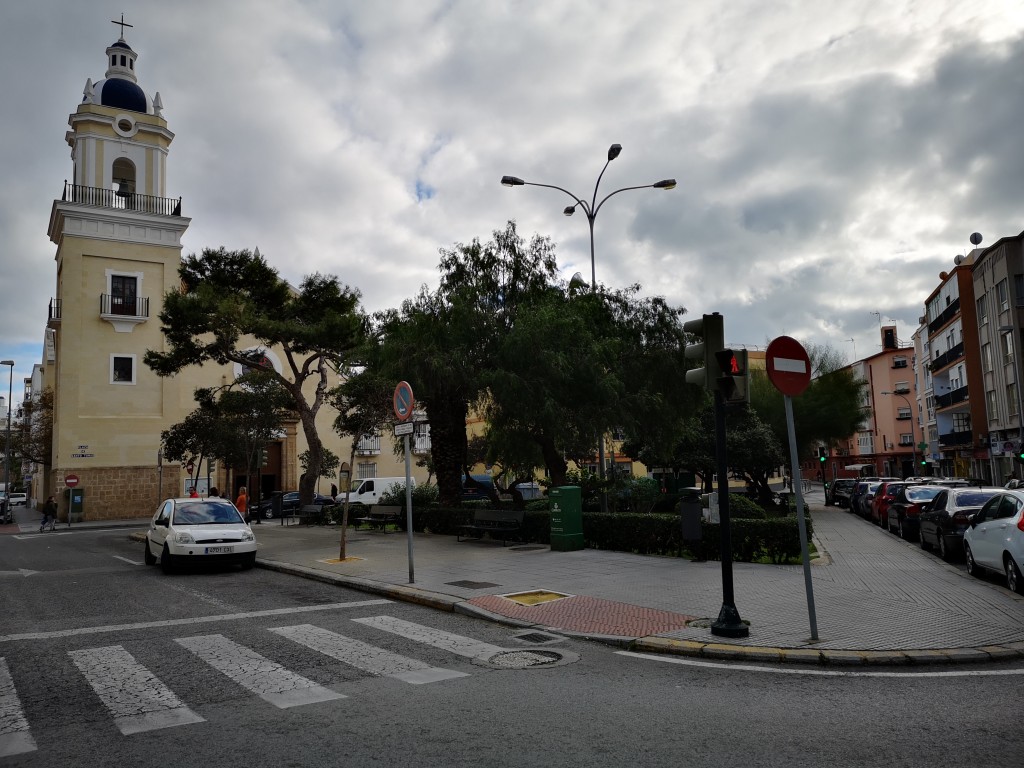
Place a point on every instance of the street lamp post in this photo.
(591, 209)
(7, 445)
(913, 436)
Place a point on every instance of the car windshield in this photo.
(974, 498)
(206, 513)
(924, 493)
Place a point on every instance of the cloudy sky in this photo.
(832, 157)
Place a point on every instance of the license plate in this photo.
(218, 550)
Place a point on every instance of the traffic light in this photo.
(822, 453)
(733, 376)
(711, 330)
(263, 457)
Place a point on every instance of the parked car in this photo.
(884, 496)
(838, 492)
(994, 540)
(19, 499)
(905, 509)
(189, 531)
(289, 504)
(856, 494)
(942, 525)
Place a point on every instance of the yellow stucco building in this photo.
(119, 245)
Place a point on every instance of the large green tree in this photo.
(232, 306)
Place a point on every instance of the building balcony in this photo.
(53, 314)
(368, 446)
(947, 314)
(948, 357)
(951, 398)
(121, 200)
(124, 313)
(955, 439)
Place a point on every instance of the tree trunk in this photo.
(553, 460)
(344, 509)
(448, 446)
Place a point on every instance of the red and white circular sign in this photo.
(403, 401)
(71, 480)
(788, 366)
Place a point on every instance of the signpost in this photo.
(403, 402)
(789, 369)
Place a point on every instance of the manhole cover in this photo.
(535, 597)
(537, 638)
(472, 584)
(524, 659)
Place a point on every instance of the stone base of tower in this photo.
(117, 493)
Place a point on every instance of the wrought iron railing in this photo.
(125, 201)
(956, 438)
(951, 398)
(368, 445)
(948, 357)
(126, 307)
(945, 317)
(53, 313)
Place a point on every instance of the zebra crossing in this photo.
(137, 700)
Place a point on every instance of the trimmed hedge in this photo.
(774, 538)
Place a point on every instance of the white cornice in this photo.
(115, 224)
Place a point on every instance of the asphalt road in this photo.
(104, 661)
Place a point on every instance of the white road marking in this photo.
(446, 641)
(184, 622)
(15, 738)
(128, 560)
(819, 672)
(19, 572)
(136, 697)
(267, 679)
(368, 658)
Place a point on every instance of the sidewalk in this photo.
(879, 600)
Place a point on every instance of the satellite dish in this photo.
(959, 259)
(976, 238)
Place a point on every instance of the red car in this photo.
(884, 496)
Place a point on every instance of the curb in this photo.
(655, 644)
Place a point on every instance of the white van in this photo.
(368, 492)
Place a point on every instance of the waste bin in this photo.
(690, 513)
(277, 505)
(566, 518)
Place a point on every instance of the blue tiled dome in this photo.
(121, 94)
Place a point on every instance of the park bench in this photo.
(379, 516)
(497, 523)
(311, 514)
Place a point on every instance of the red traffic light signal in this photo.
(733, 377)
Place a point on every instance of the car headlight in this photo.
(183, 538)
(248, 536)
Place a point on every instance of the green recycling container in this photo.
(566, 518)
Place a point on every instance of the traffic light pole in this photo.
(728, 623)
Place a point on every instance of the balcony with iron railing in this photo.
(53, 314)
(124, 312)
(121, 200)
(368, 446)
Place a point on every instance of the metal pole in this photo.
(7, 449)
(728, 623)
(801, 524)
(408, 507)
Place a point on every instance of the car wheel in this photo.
(149, 557)
(166, 560)
(899, 529)
(248, 561)
(972, 567)
(944, 552)
(924, 544)
(1014, 580)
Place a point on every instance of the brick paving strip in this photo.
(587, 615)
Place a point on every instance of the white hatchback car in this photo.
(19, 499)
(995, 538)
(199, 531)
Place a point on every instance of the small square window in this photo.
(122, 369)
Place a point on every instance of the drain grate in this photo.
(537, 638)
(471, 584)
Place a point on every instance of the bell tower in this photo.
(118, 238)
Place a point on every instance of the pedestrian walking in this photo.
(242, 503)
(49, 515)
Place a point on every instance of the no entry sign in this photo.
(788, 366)
(71, 481)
